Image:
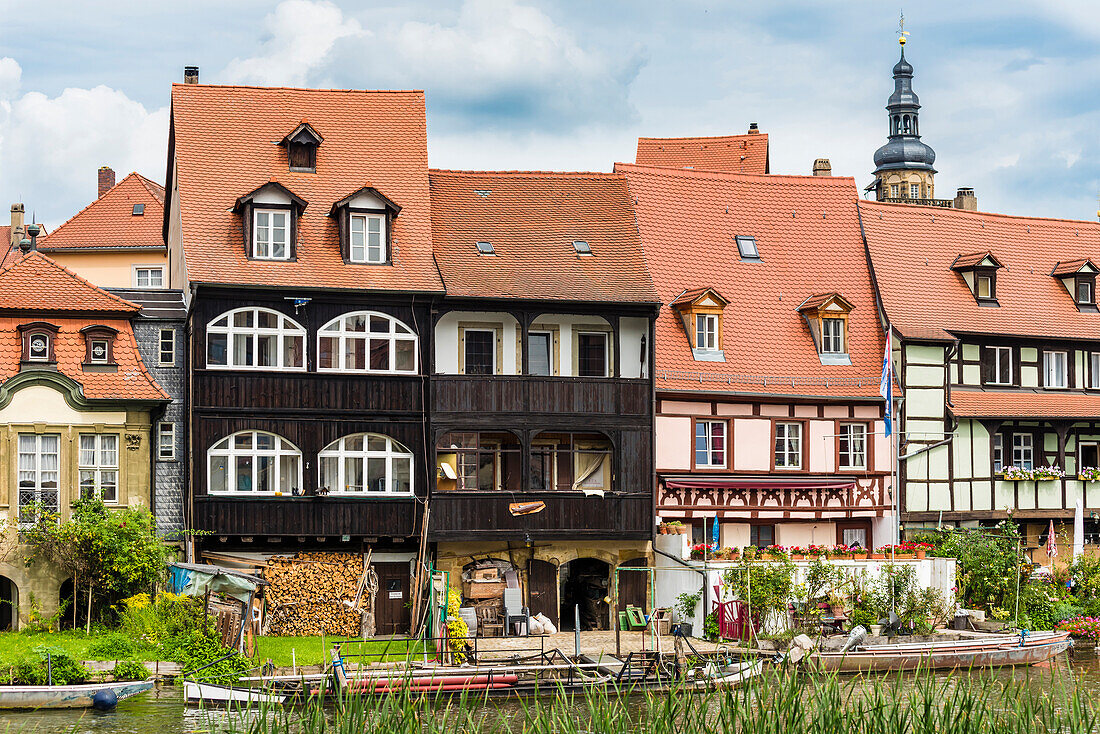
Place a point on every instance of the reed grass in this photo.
(779, 702)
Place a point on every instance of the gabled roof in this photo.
(697, 294)
(1072, 267)
(734, 153)
(244, 199)
(822, 300)
(303, 128)
(532, 219)
(912, 251)
(810, 244)
(109, 222)
(974, 259)
(35, 283)
(367, 190)
(222, 141)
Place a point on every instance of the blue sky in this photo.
(1007, 87)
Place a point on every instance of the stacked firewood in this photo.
(306, 594)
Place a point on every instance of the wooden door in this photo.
(391, 613)
(633, 585)
(855, 532)
(542, 589)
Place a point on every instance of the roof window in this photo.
(746, 247)
(139, 210)
(979, 271)
(826, 314)
(485, 248)
(1079, 279)
(582, 247)
(700, 312)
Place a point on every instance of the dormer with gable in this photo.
(269, 220)
(365, 219)
(1078, 277)
(979, 271)
(700, 311)
(301, 148)
(826, 315)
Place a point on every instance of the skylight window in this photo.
(485, 248)
(746, 247)
(582, 247)
(139, 210)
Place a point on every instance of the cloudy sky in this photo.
(1008, 87)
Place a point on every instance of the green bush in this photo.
(37, 671)
(130, 670)
(111, 646)
(862, 617)
(710, 626)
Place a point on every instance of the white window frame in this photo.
(344, 338)
(707, 434)
(706, 332)
(264, 249)
(171, 341)
(30, 472)
(790, 434)
(287, 328)
(747, 247)
(1023, 445)
(166, 430)
(1049, 363)
(148, 270)
(606, 352)
(337, 453)
(998, 449)
(1094, 364)
(365, 254)
(852, 446)
(914, 191)
(894, 193)
(97, 465)
(998, 354)
(832, 343)
(106, 358)
(988, 280)
(1091, 300)
(227, 448)
(30, 346)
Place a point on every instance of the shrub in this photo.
(50, 660)
(111, 646)
(862, 617)
(130, 670)
(710, 626)
(457, 630)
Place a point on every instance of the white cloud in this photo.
(10, 75)
(301, 35)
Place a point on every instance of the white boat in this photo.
(66, 697)
(732, 675)
(210, 693)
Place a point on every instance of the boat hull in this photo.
(211, 694)
(933, 659)
(66, 697)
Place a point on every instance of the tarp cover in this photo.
(193, 579)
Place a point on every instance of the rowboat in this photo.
(67, 697)
(217, 695)
(996, 652)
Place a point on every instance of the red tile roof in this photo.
(808, 237)
(109, 221)
(735, 153)
(1069, 267)
(913, 247)
(1024, 404)
(36, 288)
(225, 144)
(532, 220)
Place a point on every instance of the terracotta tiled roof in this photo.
(225, 144)
(109, 221)
(690, 295)
(808, 238)
(735, 153)
(34, 282)
(532, 219)
(971, 259)
(912, 249)
(1070, 267)
(1024, 404)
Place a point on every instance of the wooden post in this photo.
(88, 622)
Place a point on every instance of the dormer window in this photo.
(270, 232)
(38, 342)
(979, 272)
(365, 219)
(301, 148)
(746, 248)
(700, 312)
(99, 345)
(269, 218)
(1078, 277)
(826, 315)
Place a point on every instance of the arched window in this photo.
(366, 463)
(896, 125)
(254, 462)
(255, 339)
(366, 341)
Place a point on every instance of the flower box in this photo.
(878, 556)
(857, 556)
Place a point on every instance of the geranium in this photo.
(1082, 627)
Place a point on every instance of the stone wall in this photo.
(40, 580)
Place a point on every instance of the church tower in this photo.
(903, 167)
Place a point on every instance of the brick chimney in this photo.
(965, 199)
(190, 75)
(106, 179)
(16, 224)
(822, 167)
(754, 129)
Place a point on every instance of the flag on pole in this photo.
(1052, 545)
(886, 385)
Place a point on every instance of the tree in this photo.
(112, 554)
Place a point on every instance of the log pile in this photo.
(306, 594)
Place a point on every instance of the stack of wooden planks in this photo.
(306, 594)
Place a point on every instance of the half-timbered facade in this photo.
(998, 355)
(768, 358)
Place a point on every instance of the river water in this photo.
(162, 711)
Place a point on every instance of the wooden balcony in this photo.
(332, 391)
(305, 516)
(479, 394)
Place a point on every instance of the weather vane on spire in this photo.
(902, 33)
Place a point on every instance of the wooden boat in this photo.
(1006, 651)
(66, 697)
(211, 694)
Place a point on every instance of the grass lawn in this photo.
(16, 646)
(311, 651)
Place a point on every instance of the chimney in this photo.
(190, 75)
(106, 179)
(966, 200)
(16, 224)
(822, 167)
(754, 129)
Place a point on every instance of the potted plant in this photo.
(797, 553)
(1016, 474)
(662, 528)
(697, 551)
(922, 549)
(685, 611)
(1048, 473)
(676, 527)
(1089, 474)
(775, 552)
(879, 553)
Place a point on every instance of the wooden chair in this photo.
(489, 623)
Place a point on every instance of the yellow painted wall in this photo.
(110, 269)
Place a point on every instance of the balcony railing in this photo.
(306, 516)
(527, 394)
(944, 203)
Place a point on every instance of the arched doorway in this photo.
(585, 583)
(9, 604)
